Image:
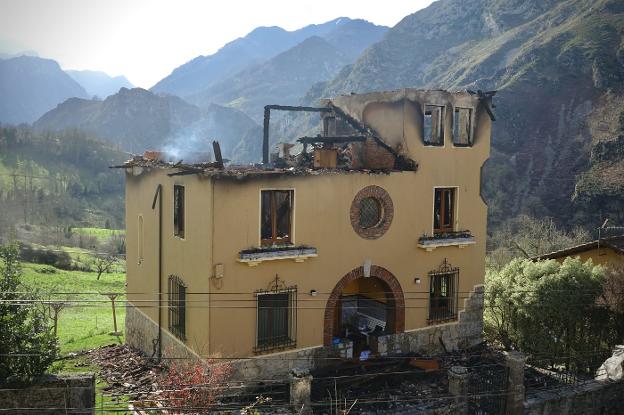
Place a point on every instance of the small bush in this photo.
(193, 387)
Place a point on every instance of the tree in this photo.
(526, 237)
(103, 263)
(547, 308)
(27, 342)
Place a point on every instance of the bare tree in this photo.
(103, 263)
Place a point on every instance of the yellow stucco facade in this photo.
(222, 218)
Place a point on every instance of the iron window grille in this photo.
(276, 317)
(370, 212)
(178, 211)
(177, 307)
(443, 284)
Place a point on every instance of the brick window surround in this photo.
(387, 212)
(378, 272)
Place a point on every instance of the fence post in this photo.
(300, 390)
(458, 378)
(515, 362)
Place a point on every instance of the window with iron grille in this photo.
(444, 210)
(178, 211)
(276, 217)
(177, 307)
(433, 125)
(276, 319)
(443, 284)
(370, 212)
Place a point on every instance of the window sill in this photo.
(256, 256)
(291, 344)
(442, 320)
(460, 241)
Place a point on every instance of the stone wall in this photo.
(466, 332)
(595, 397)
(142, 334)
(50, 395)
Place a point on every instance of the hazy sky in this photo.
(146, 39)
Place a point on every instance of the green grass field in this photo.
(101, 234)
(84, 325)
(88, 320)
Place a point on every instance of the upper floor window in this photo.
(178, 211)
(462, 127)
(276, 217)
(444, 210)
(177, 307)
(433, 126)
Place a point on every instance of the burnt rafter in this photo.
(267, 121)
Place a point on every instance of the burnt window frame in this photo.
(179, 211)
(456, 111)
(443, 308)
(451, 227)
(442, 125)
(278, 340)
(275, 240)
(177, 307)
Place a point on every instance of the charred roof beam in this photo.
(267, 120)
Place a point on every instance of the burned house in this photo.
(371, 238)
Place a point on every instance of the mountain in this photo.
(559, 68)
(137, 120)
(30, 86)
(282, 79)
(258, 46)
(98, 83)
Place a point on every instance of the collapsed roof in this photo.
(347, 142)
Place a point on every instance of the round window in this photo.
(371, 212)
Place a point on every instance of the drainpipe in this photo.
(158, 195)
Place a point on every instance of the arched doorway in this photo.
(365, 301)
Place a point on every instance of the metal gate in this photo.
(487, 389)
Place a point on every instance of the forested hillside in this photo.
(559, 69)
(62, 179)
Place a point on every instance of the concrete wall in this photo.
(603, 256)
(222, 218)
(50, 395)
(593, 398)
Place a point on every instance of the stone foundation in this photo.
(466, 332)
(141, 332)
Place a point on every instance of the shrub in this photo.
(193, 386)
(547, 307)
(27, 341)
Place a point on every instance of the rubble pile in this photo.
(126, 371)
(398, 382)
